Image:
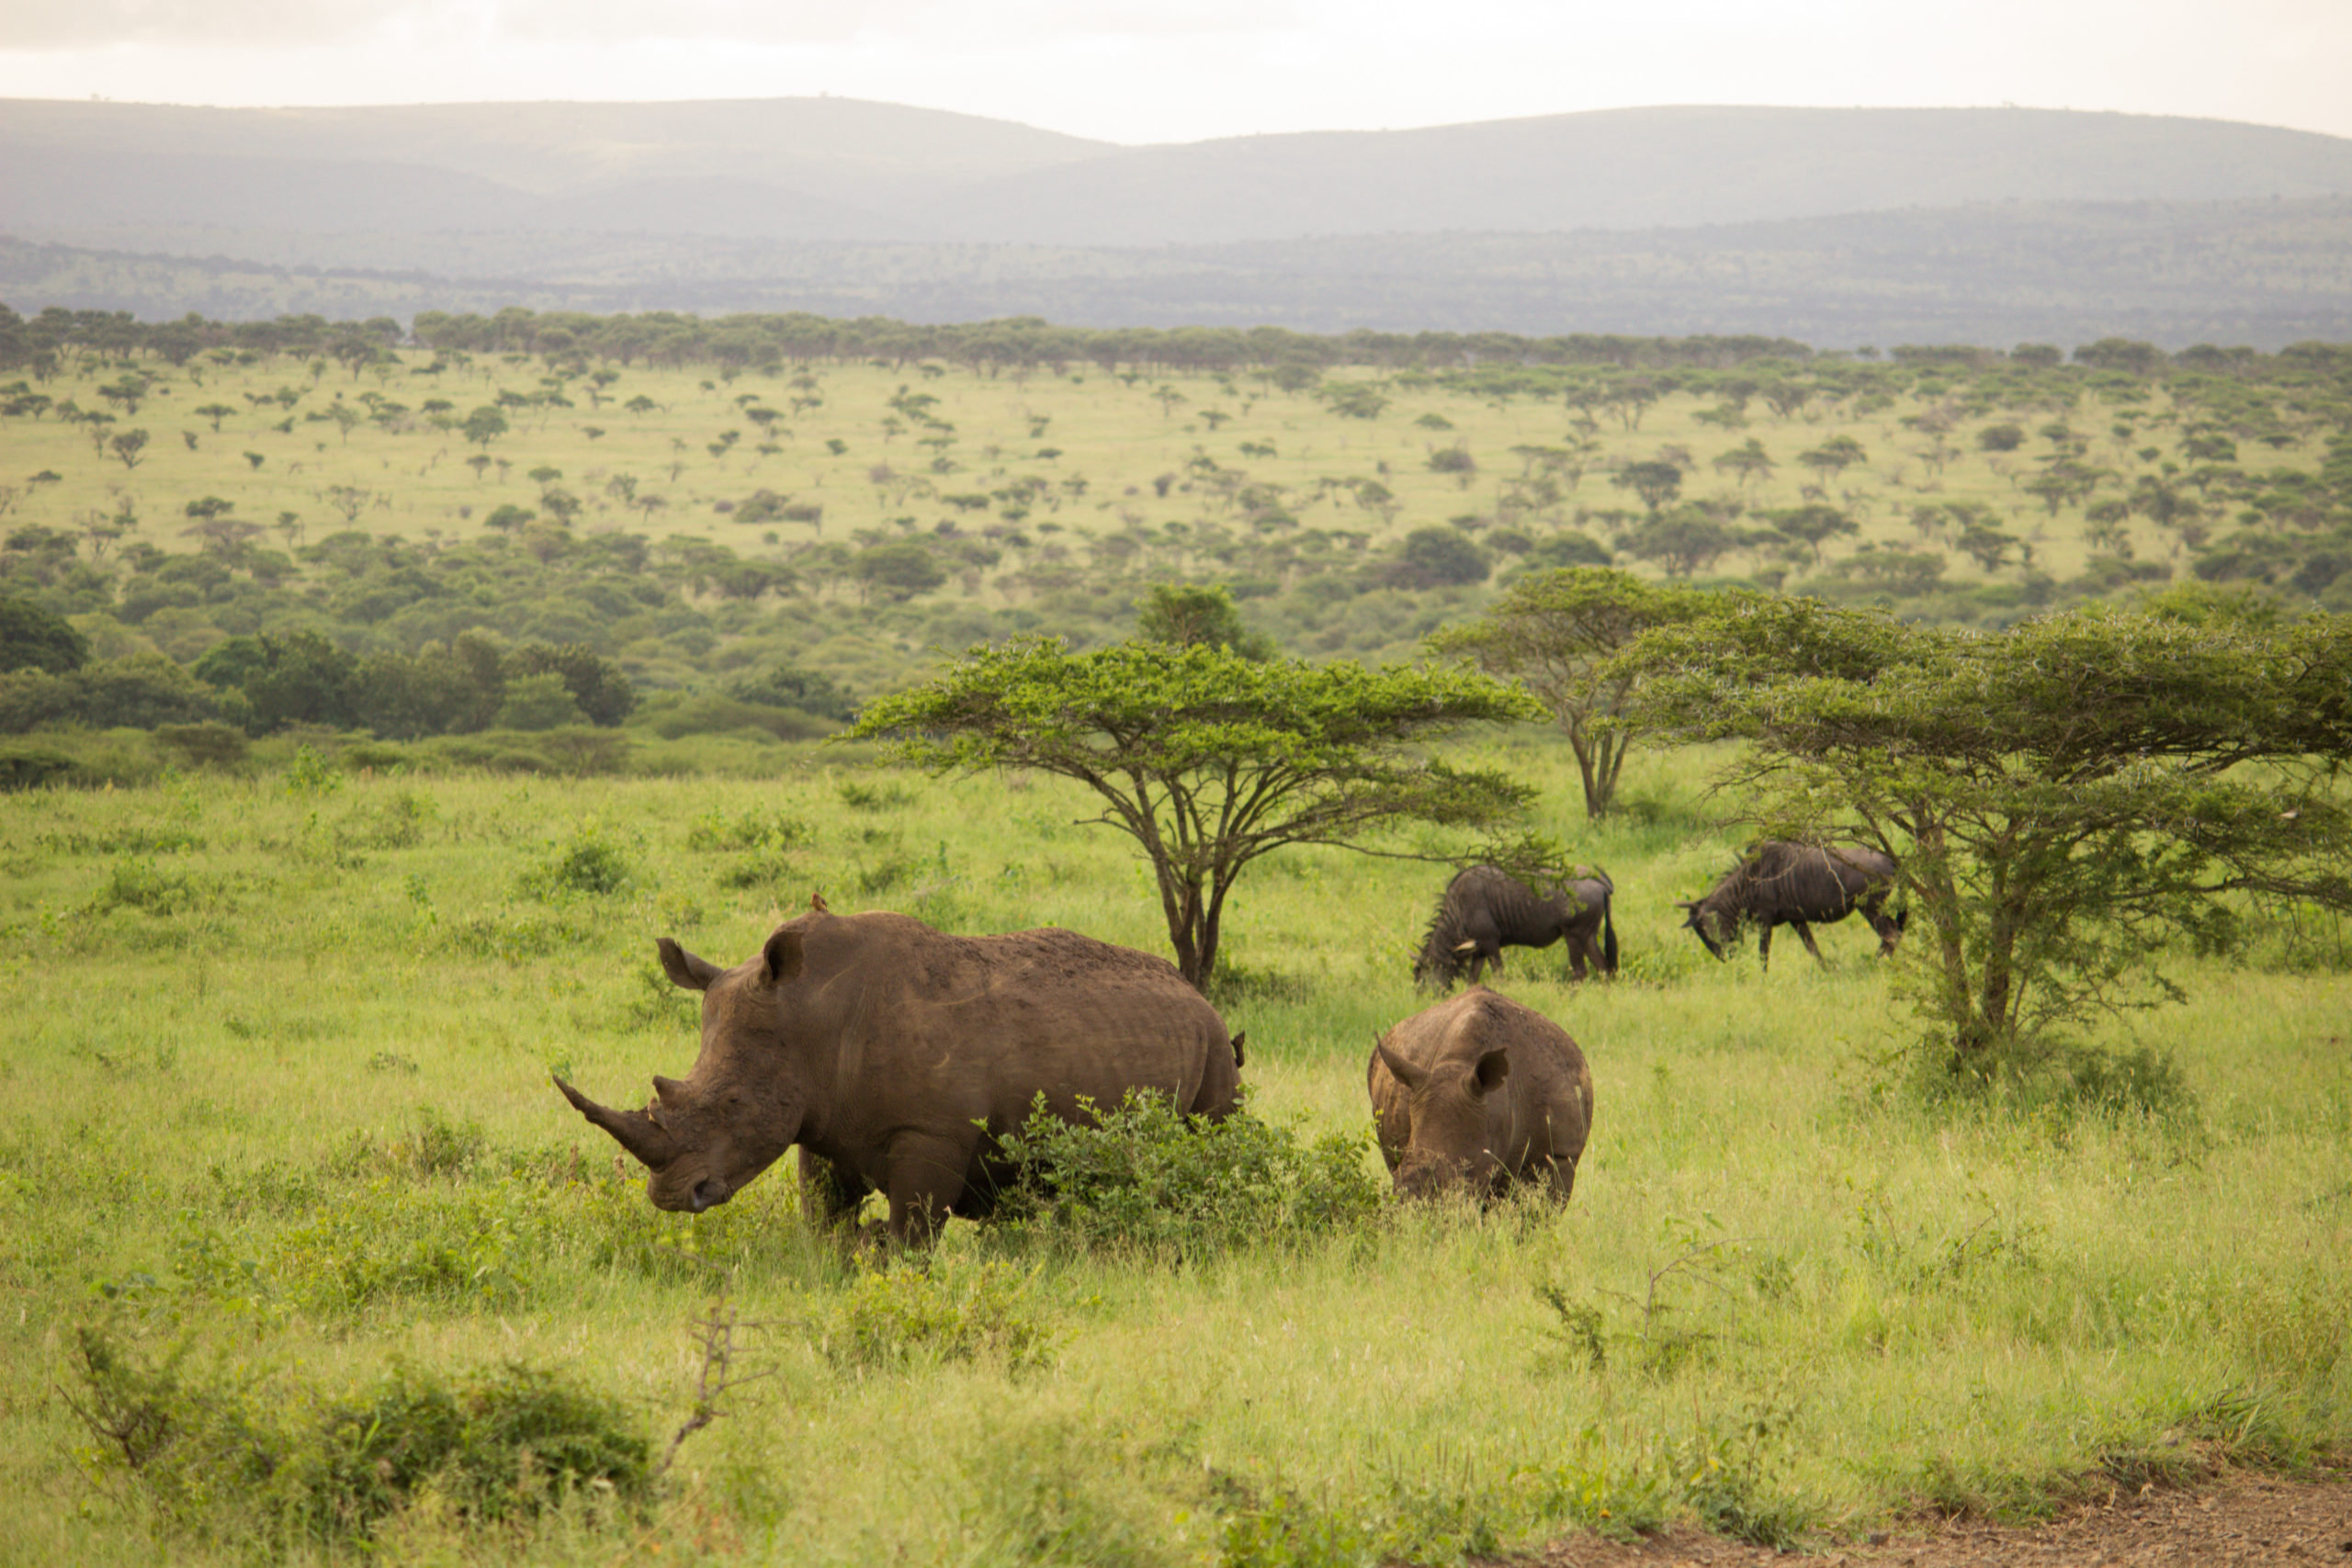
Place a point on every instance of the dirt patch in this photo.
(2244, 1520)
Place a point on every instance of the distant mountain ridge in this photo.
(1843, 226)
(832, 168)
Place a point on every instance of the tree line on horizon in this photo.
(746, 341)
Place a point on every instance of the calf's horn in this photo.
(633, 1130)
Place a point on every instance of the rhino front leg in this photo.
(830, 1193)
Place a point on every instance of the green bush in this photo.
(1147, 1176)
(905, 1312)
(752, 830)
(590, 862)
(223, 1457)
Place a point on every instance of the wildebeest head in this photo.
(703, 1139)
(1716, 928)
(1451, 1143)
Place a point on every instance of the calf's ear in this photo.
(780, 959)
(1493, 1068)
(684, 969)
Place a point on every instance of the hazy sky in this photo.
(1137, 71)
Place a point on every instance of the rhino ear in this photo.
(780, 959)
(1493, 1068)
(1406, 1073)
(684, 969)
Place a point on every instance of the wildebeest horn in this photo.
(633, 1130)
(1686, 903)
(1411, 1077)
(1465, 947)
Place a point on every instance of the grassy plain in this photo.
(278, 1045)
(1067, 490)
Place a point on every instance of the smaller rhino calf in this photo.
(1478, 1092)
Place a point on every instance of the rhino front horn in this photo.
(633, 1130)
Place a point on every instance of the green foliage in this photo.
(1209, 759)
(900, 1314)
(219, 1455)
(136, 884)
(1145, 1178)
(1183, 615)
(2070, 799)
(33, 638)
(594, 862)
(758, 828)
(1555, 633)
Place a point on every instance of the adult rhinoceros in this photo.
(894, 1054)
(1479, 1092)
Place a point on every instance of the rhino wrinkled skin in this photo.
(1479, 1092)
(894, 1054)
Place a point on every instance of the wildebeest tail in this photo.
(1608, 941)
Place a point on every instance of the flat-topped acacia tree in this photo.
(2070, 799)
(1208, 759)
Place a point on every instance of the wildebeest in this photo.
(894, 1056)
(1479, 1091)
(1802, 884)
(1485, 910)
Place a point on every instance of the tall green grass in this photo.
(277, 1047)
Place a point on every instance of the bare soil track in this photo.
(2240, 1519)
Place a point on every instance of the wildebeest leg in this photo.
(1578, 947)
(830, 1194)
(1804, 932)
(927, 1178)
(1764, 947)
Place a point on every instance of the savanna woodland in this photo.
(372, 698)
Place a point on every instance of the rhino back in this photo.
(918, 1029)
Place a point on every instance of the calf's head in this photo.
(703, 1139)
(1451, 1144)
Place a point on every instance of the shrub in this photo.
(207, 745)
(590, 862)
(905, 1312)
(1148, 1176)
(752, 830)
(220, 1457)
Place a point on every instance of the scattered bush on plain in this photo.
(1145, 1176)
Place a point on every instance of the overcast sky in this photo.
(1138, 70)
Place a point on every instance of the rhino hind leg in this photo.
(926, 1180)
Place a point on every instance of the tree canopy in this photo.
(1555, 633)
(2069, 799)
(1209, 759)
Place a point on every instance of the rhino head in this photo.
(704, 1138)
(1452, 1140)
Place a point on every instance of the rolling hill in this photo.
(1855, 224)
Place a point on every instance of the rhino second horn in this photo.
(633, 1130)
